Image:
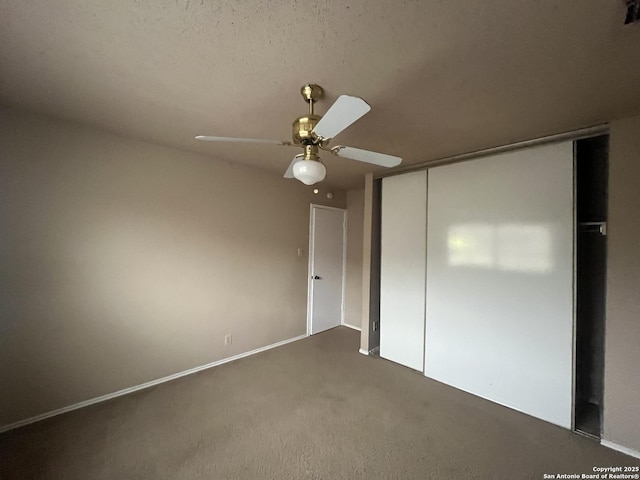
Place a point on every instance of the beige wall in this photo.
(122, 262)
(353, 291)
(367, 241)
(622, 334)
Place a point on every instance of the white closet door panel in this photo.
(499, 315)
(402, 268)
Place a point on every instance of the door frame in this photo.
(311, 261)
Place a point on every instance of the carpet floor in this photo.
(312, 409)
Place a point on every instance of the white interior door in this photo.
(402, 268)
(499, 319)
(326, 268)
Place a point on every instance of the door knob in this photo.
(316, 277)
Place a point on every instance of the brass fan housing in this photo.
(302, 129)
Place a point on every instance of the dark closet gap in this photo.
(591, 164)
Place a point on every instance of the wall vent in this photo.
(633, 12)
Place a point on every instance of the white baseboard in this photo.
(614, 446)
(351, 326)
(142, 386)
(363, 351)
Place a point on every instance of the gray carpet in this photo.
(313, 409)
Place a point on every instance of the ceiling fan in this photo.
(314, 132)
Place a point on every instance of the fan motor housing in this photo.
(303, 128)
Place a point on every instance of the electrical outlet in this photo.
(228, 339)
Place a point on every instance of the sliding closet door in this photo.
(499, 315)
(402, 268)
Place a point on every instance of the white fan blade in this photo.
(366, 156)
(340, 115)
(289, 172)
(240, 140)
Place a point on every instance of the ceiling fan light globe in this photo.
(309, 171)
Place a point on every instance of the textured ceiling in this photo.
(442, 77)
